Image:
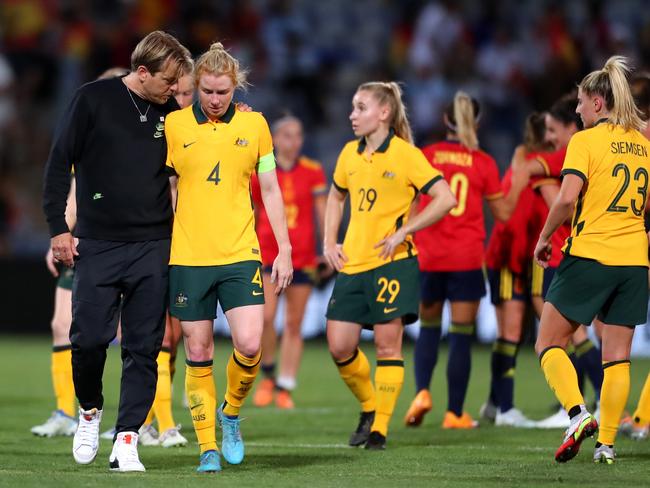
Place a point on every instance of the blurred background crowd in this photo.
(306, 57)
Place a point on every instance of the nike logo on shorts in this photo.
(389, 310)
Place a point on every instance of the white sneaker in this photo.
(124, 456)
(108, 435)
(86, 440)
(559, 420)
(513, 418)
(58, 424)
(488, 411)
(148, 435)
(172, 438)
(604, 454)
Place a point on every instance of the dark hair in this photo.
(564, 110)
(534, 131)
(640, 86)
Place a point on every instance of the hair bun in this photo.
(216, 46)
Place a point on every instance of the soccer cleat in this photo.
(582, 426)
(284, 401)
(452, 421)
(86, 440)
(148, 435)
(488, 411)
(420, 405)
(263, 396)
(108, 435)
(360, 436)
(58, 424)
(172, 438)
(604, 454)
(513, 418)
(124, 456)
(559, 420)
(232, 444)
(209, 462)
(376, 441)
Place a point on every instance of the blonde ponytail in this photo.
(218, 61)
(611, 84)
(465, 120)
(390, 93)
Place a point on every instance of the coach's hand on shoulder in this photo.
(334, 255)
(64, 249)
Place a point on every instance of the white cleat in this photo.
(86, 440)
(513, 418)
(58, 424)
(148, 435)
(172, 438)
(604, 454)
(124, 456)
(559, 420)
(488, 411)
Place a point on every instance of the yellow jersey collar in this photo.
(604, 120)
(383, 147)
(201, 118)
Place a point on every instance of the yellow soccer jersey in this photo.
(381, 188)
(607, 222)
(214, 222)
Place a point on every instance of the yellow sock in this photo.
(241, 372)
(355, 371)
(172, 366)
(613, 397)
(62, 379)
(150, 416)
(202, 396)
(642, 413)
(561, 377)
(162, 403)
(389, 378)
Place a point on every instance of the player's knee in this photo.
(249, 347)
(60, 327)
(388, 351)
(292, 328)
(199, 352)
(341, 352)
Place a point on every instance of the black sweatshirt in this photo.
(119, 165)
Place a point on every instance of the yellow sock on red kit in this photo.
(355, 372)
(613, 397)
(62, 380)
(202, 397)
(561, 377)
(241, 373)
(389, 378)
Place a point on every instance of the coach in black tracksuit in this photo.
(113, 135)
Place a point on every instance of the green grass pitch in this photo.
(307, 447)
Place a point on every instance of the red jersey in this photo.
(299, 185)
(456, 243)
(509, 245)
(552, 163)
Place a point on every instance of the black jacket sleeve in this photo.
(66, 150)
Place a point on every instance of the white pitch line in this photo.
(277, 445)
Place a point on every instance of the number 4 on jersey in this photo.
(214, 175)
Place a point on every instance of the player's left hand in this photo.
(282, 272)
(390, 243)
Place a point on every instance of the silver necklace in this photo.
(143, 116)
